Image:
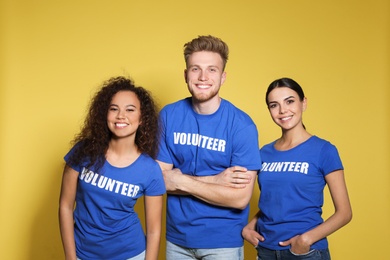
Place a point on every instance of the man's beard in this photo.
(201, 97)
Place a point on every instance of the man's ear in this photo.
(223, 78)
(185, 75)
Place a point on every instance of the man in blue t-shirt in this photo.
(209, 157)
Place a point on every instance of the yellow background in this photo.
(54, 54)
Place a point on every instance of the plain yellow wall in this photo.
(53, 55)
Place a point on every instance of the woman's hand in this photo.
(298, 244)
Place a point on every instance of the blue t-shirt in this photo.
(291, 184)
(106, 225)
(204, 145)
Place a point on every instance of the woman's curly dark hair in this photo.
(93, 139)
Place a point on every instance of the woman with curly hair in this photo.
(110, 166)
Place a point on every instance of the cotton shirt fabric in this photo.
(204, 145)
(291, 190)
(106, 225)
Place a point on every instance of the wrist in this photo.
(183, 182)
(306, 239)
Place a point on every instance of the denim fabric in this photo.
(175, 252)
(137, 257)
(314, 254)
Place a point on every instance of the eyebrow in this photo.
(126, 105)
(289, 97)
(271, 102)
(198, 66)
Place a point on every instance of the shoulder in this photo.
(320, 148)
(267, 147)
(147, 160)
(175, 112)
(320, 142)
(237, 112)
(74, 150)
(180, 104)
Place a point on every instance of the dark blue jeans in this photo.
(314, 254)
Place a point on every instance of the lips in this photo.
(203, 86)
(120, 125)
(286, 118)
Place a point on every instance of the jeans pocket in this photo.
(305, 254)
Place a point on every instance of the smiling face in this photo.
(286, 108)
(124, 114)
(204, 76)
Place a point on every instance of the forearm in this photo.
(231, 188)
(177, 192)
(205, 179)
(235, 177)
(343, 210)
(66, 206)
(332, 224)
(67, 233)
(153, 212)
(152, 245)
(252, 223)
(216, 194)
(249, 232)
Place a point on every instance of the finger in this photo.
(242, 176)
(239, 169)
(284, 243)
(260, 238)
(241, 180)
(238, 186)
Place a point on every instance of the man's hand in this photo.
(234, 177)
(172, 178)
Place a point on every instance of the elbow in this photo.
(238, 207)
(242, 207)
(62, 211)
(241, 201)
(65, 208)
(240, 204)
(348, 214)
(348, 217)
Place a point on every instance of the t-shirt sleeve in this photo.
(246, 148)
(330, 159)
(156, 184)
(163, 153)
(68, 156)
